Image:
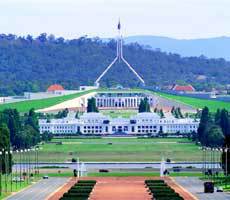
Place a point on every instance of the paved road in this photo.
(195, 186)
(120, 165)
(40, 190)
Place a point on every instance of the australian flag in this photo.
(119, 25)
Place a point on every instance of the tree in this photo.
(225, 125)
(42, 37)
(5, 147)
(204, 121)
(62, 114)
(144, 105)
(47, 136)
(77, 115)
(180, 113)
(224, 122)
(214, 136)
(91, 107)
(12, 119)
(226, 145)
(162, 113)
(173, 110)
(217, 117)
(32, 120)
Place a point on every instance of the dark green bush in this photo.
(161, 191)
(80, 191)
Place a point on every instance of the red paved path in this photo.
(121, 188)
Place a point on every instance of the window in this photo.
(133, 129)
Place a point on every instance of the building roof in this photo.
(188, 88)
(91, 115)
(146, 115)
(55, 87)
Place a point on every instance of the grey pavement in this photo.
(195, 186)
(40, 190)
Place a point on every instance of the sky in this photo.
(181, 19)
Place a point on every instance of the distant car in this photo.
(17, 179)
(219, 189)
(46, 177)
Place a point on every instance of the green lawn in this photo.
(213, 105)
(25, 106)
(122, 149)
(6, 189)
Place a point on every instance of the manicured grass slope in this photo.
(25, 106)
(213, 105)
(122, 149)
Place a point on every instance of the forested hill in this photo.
(28, 64)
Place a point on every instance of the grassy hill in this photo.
(213, 105)
(32, 64)
(25, 106)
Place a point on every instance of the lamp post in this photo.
(203, 170)
(33, 163)
(0, 173)
(226, 161)
(226, 164)
(11, 170)
(20, 166)
(26, 166)
(37, 161)
(78, 166)
(212, 162)
(6, 171)
(16, 169)
(205, 157)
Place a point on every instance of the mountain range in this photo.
(218, 47)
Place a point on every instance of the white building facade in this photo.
(123, 99)
(99, 124)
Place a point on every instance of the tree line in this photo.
(17, 132)
(32, 64)
(214, 131)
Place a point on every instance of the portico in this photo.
(122, 100)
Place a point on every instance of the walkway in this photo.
(40, 190)
(122, 188)
(195, 186)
